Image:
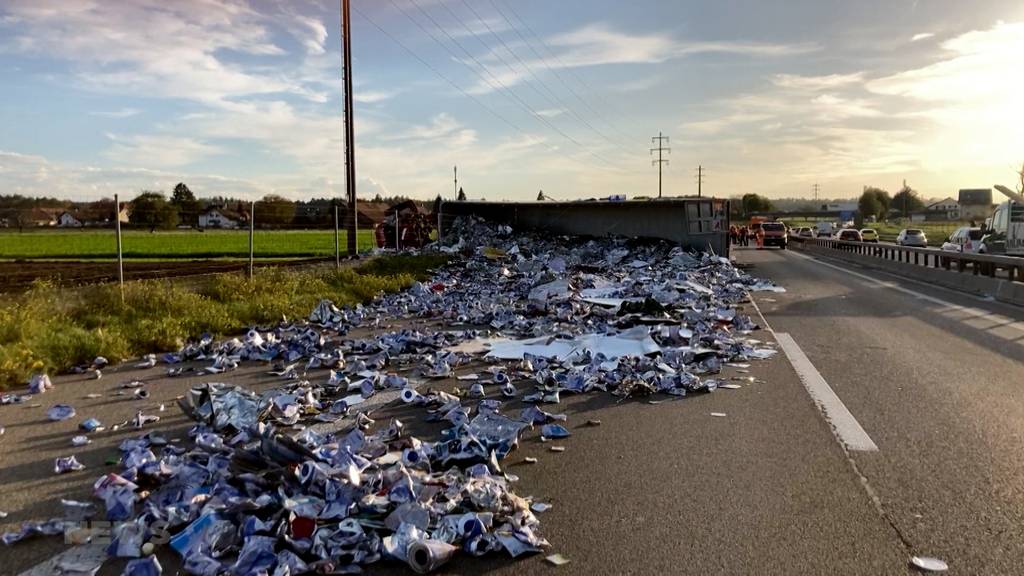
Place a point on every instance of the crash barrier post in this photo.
(999, 276)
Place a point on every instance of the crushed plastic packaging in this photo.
(47, 528)
(90, 425)
(929, 564)
(66, 464)
(39, 384)
(554, 431)
(148, 566)
(6, 399)
(148, 361)
(59, 412)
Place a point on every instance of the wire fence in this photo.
(143, 244)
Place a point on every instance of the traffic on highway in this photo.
(1002, 233)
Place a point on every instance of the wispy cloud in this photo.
(973, 91)
(931, 121)
(921, 36)
(29, 174)
(154, 48)
(442, 127)
(599, 45)
(373, 96)
(550, 112)
(163, 150)
(122, 113)
(479, 27)
(827, 82)
(312, 33)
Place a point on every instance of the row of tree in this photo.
(877, 203)
(874, 202)
(153, 210)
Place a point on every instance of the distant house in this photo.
(947, 208)
(41, 217)
(68, 220)
(92, 215)
(975, 203)
(371, 213)
(220, 217)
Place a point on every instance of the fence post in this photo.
(397, 232)
(337, 239)
(440, 205)
(120, 256)
(252, 228)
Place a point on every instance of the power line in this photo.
(551, 96)
(451, 82)
(436, 71)
(660, 141)
(562, 64)
(508, 90)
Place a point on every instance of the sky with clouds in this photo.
(243, 97)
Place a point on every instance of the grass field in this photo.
(141, 244)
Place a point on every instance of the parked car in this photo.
(775, 234)
(964, 239)
(849, 235)
(912, 237)
(805, 232)
(869, 235)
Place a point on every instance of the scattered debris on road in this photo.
(928, 564)
(59, 412)
(263, 487)
(557, 559)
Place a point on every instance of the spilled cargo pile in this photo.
(302, 479)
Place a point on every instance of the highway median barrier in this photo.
(1001, 277)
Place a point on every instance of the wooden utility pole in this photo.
(700, 179)
(660, 141)
(350, 138)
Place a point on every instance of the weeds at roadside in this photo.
(53, 329)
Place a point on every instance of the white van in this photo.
(1005, 230)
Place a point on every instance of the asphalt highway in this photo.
(936, 379)
(667, 488)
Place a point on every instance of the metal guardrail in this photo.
(978, 264)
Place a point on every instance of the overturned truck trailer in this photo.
(695, 223)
